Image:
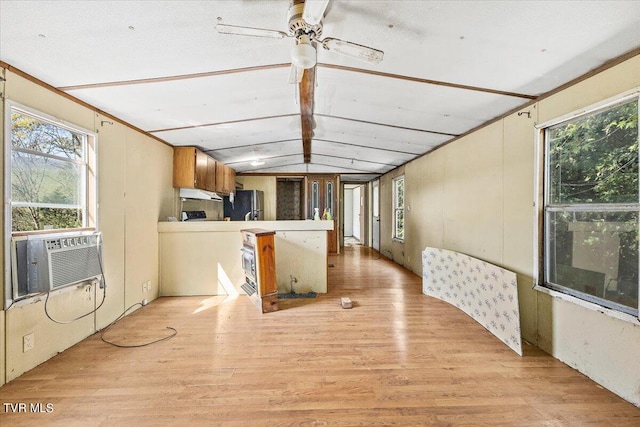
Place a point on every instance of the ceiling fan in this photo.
(305, 25)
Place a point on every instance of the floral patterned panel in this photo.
(487, 293)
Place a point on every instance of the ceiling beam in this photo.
(306, 111)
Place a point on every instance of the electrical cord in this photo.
(105, 330)
(103, 285)
(46, 310)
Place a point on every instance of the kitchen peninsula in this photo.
(204, 257)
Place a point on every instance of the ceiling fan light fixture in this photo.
(303, 55)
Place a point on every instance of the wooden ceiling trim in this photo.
(387, 125)
(306, 172)
(367, 147)
(263, 159)
(235, 147)
(230, 122)
(428, 81)
(354, 159)
(173, 78)
(78, 101)
(306, 110)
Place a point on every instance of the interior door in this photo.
(322, 195)
(375, 215)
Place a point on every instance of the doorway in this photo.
(354, 225)
(289, 199)
(375, 215)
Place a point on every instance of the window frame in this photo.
(544, 207)
(88, 181)
(398, 209)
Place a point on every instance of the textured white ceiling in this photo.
(449, 66)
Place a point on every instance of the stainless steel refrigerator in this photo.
(248, 205)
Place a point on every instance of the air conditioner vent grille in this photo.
(74, 265)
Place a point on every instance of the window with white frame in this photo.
(52, 179)
(398, 208)
(591, 206)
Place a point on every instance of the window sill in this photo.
(395, 239)
(588, 305)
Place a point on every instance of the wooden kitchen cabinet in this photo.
(229, 180)
(210, 179)
(225, 179)
(192, 169)
(220, 177)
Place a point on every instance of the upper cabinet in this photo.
(229, 180)
(225, 179)
(194, 169)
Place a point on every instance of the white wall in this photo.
(476, 196)
(348, 209)
(357, 194)
(134, 191)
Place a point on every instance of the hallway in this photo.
(396, 358)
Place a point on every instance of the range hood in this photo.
(194, 193)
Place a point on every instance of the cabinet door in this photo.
(210, 183)
(184, 163)
(219, 177)
(201, 170)
(229, 179)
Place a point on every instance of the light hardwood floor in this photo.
(396, 358)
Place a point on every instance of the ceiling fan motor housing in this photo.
(298, 27)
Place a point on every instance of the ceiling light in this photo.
(303, 55)
(257, 163)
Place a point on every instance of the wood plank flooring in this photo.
(396, 358)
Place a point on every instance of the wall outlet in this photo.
(28, 342)
(146, 286)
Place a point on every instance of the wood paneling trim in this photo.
(174, 78)
(230, 122)
(604, 67)
(47, 86)
(367, 147)
(387, 125)
(428, 81)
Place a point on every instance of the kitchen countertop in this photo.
(231, 226)
(203, 257)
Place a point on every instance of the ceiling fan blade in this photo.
(357, 51)
(314, 11)
(249, 31)
(295, 74)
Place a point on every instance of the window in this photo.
(51, 174)
(398, 207)
(592, 205)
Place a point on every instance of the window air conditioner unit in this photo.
(43, 263)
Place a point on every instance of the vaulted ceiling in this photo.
(448, 67)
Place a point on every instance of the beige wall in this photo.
(134, 191)
(476, 196)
